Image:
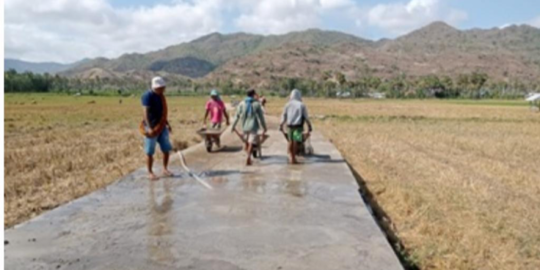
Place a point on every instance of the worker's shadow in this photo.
(230, 149)
(267, 160)
(220, 173)
(307, 159)
(315, 158)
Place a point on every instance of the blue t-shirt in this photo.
(152, 101)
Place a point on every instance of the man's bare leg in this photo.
(293, 152)
(249, 149)
(166, 171)
(290, 151)
(149, 162)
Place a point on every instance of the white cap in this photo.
(158, 82)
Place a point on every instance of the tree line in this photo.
(474, 85)
(331, 84)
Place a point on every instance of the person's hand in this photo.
(169, 128)
(264, 132)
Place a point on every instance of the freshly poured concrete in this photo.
(268, 216)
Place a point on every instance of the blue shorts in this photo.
(162, 139)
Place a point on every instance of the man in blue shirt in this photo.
(155, 126)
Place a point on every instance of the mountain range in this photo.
(504, 54)
(40, 68)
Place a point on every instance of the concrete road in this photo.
(268, 216)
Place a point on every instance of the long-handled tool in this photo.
(190, 173)
(240, 136)
(306, 146)
(257, 150)
(285, 135)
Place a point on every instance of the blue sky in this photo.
(68, 30)
(480, 13)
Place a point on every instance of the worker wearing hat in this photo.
(155, 125)
(215, 108)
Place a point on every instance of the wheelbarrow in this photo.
(257, 147)
(303, 148)
(210, 137)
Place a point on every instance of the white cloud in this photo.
(535, 22)
(331, 4)
(282, 16)
(400, 18)
(69, 30)
(65, 30)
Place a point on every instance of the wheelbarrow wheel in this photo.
(309, 151)
(300, 151)
(208, 146)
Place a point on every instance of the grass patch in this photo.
(458, 182)
(59, 147)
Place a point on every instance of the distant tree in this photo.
(373, 83)
(396, 87)
(476, 82)
(329, 87)
(340, 78)
(430, 86)
(326, 75)
(227, 87)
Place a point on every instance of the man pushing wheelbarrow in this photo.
(294, 115)
(251, 115)
(215, 108)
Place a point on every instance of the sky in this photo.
(69, 30)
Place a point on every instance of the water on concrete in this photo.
(268, 216)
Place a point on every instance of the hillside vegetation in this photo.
(503, 54)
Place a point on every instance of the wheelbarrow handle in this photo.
(284, 135)
(240, 135)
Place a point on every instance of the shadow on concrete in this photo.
(384, 222)
(310, 159)
(221, 173)
(274, 159)
(314, 158)
(229, 149)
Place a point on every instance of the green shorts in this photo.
(295, 134)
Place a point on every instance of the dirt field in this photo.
(58, 148)
(459, 180)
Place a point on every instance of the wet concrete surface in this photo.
(268, 216)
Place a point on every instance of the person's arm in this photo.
(261, 119)
(205, 117)
(306, 118)
(207, 111)
(238, 114)
(226, 116)
(225, 113)
(145, 116)
(146, 104)
(283, 118)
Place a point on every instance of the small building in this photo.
(534, 100)
(377, 95)
(344, 94)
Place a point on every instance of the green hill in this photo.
(504, 54)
